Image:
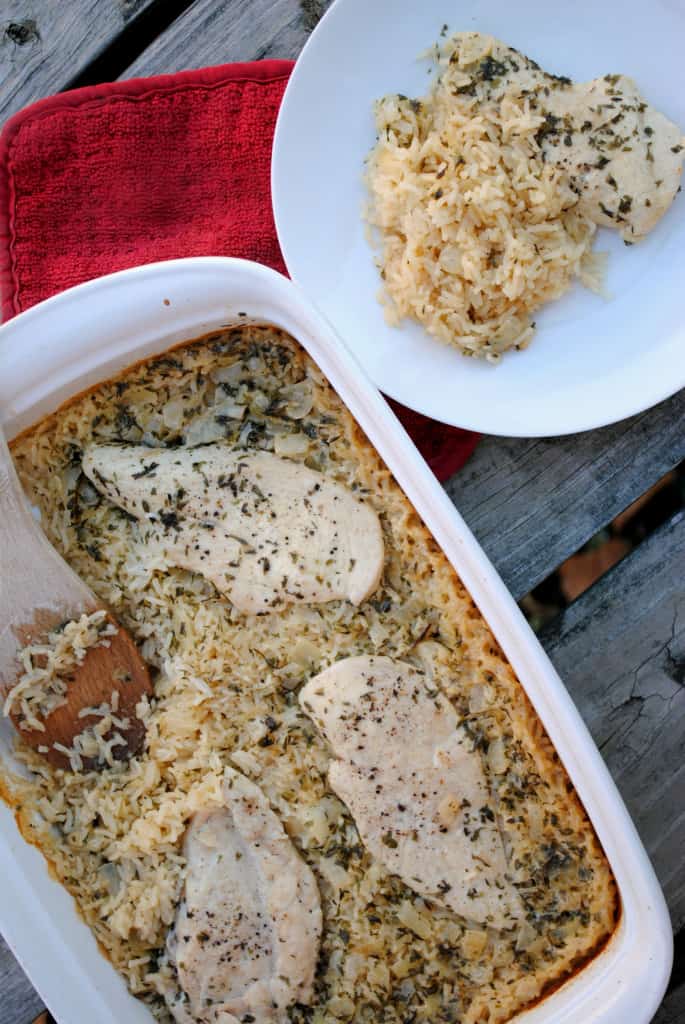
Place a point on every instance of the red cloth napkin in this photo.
(111, 176)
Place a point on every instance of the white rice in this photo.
(46, 668)
(475, 231)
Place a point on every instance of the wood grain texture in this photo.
(45, 43)
(532, 503)
(620, 649)
(19, 1002)
(221, 31)
(672, 1010)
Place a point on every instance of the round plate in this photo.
(593, 360)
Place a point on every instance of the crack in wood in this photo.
(673, 668)
(139, 32)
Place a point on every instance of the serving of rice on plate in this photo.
(506, 241)
(486, 194)
(475, 231)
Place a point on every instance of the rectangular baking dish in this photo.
(86, 335)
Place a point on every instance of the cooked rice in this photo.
(48, 667)
(95, 743)
(225, 694)
(475, 231)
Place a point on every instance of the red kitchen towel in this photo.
(111, 176)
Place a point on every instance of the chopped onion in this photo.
(354, 966)
(481, 697)
(259, 402)
(229, 407)
(526, 989)
(152, 426)
(450, 259)
(203, 430)
(298, 399)
(87, 494)
(526, 936)
(232, 374)
(172, 413)
(407, 988)
(473, 943)
(305, 653)
(71, 475)
(317, 823)
(288, 445)
(246, 761)
(497, 761)
(256, 365)
(341, 1007)
(409, 916)
(111, 878)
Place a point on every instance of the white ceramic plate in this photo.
(87, 334)
(593, 361)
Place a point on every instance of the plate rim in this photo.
(581, 419)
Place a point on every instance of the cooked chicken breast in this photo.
(266, 531)
(624, 158)
(407, 770)
(246, 938)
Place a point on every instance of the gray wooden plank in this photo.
(222, 31)
(19, 1002)
(672, 1010)
(45, 43)
(620, 648)
(532, 503)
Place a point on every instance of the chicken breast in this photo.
(265, 530)
(246, 938)
(406, 769)
(624, 158)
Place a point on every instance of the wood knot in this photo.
(22, 32)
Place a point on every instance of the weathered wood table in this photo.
(621, 646)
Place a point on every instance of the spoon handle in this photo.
(38, 590)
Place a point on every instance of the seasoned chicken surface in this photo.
(405, 767)
(246, 938)
(624, 158)
(265, 530)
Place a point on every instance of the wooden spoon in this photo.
(38, 593)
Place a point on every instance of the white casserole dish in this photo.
(84, 336)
